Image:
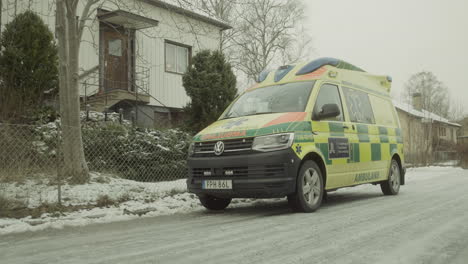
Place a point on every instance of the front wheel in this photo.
(309, 190)
(214, 203)
(392, 185)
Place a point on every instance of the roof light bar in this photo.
(263, 75)
(282, 71)
(316, 64)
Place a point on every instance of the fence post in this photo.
(120, 115)
(59, 162)
(133, 118)
(88, 106)
(106, 109)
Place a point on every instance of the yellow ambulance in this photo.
(303, 130)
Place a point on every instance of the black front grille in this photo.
(277, 170)
(200, 172)
(231, 147)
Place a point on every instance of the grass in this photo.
(9, 205)
(124, 198)
(105, 201)
(13, 208)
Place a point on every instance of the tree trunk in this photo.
(74, 164)
(1, 15)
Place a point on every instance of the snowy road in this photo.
(426, 223)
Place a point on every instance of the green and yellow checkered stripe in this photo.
(367, 142)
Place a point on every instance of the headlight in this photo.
(273, 142)
(191, 149)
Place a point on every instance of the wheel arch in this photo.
(314, 156)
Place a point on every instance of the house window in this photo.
(177, 57)
(442, 131)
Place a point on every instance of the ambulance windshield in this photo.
(288, 97)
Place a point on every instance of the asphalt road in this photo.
(426, 223)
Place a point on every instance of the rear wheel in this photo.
(214, 203)
(392, 185)
(309, 190)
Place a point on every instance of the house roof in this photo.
(127, 19)
(422, 114)
(187, 8)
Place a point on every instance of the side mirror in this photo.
(327, 111)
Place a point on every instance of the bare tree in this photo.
(1, 12)
(435, 95)
(457, 111)
(268, 33)
(265, 32)
(224, 10)
(69, 30)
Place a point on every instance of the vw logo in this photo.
(219, 148)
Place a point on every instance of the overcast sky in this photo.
(396, 38)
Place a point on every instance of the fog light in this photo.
(229, 172)
(207, 173)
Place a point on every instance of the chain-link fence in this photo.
(34, 154)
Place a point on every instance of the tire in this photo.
(392, 185)
(309, 188)
(214, 203)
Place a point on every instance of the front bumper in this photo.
(255, 175)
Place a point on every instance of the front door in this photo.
(116, 70)
(332, 136)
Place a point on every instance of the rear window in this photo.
(383, 111)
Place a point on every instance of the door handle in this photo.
(347, 127)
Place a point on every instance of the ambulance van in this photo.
(302, 131)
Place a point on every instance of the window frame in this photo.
(338, 88)
(442, 131)
(177, 44)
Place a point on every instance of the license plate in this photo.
(217, 184)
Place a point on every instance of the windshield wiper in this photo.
(256, 113)
(261, 113)
(228, 117)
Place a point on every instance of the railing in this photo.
(91, 82)
(92, 85)
(141, 82)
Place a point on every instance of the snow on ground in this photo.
(138, 197)
(36, 192)
(144, 200)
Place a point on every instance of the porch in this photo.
(116, 82)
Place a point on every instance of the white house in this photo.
(134, 52)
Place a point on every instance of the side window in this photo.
(383, 111)
(329, 94)
(359, 107)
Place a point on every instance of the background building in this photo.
(427, 136)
